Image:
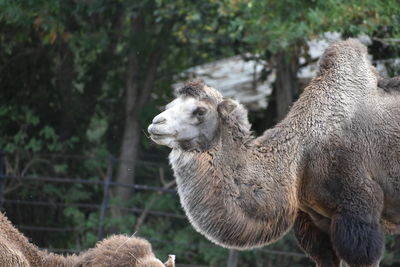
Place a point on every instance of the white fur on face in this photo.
(177, 122)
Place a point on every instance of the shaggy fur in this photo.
(331, 168)
(118, 251)
(390, 84)
(121, 250)
(10, 256)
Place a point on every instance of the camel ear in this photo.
(226, 107)
(170, 262)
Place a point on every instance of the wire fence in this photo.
(102, 207)
(106, 183)
(104, 204)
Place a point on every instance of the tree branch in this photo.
(386, 40)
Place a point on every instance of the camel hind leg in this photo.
(315, 243)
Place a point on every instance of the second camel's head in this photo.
(122, 251)
(192, 121)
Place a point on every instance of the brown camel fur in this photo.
(390, 84)
(331, 168)
(117, 250)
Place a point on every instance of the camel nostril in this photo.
(158, 120)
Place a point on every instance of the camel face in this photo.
(187, 123)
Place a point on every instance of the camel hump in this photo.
(10, 256)
(140, 246)
(348, 53)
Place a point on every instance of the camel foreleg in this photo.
(357, 240)
(315, 243)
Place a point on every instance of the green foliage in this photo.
(285, 25)
(22, 131)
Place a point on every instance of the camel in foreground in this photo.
(116, 251)
(330, 169)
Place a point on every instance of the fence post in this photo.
(2, 176)
(106, 197)
(233, 258)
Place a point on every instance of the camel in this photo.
(117, 250)
(330, 169)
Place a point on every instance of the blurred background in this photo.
(80, 80)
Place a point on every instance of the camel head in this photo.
(192, 121)
(121, 250)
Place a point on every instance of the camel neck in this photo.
(239, 194)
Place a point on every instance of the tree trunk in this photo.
(131, 135)
(140, 81)
(137, 94)
(286, 83)
(128, 156)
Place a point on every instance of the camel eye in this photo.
(200, 111)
